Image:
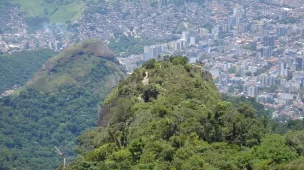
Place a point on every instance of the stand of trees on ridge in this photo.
(179, 121)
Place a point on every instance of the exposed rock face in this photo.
(207, 75)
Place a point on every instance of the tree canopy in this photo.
(17, 68)
(169, 115)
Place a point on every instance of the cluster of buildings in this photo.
(256, 49)
(140, 19)
(14, 34)
(154, 51)
(262, 57)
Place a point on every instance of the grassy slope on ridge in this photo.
(72, 66)
(55, 106)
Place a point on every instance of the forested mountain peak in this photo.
(169, 115)
(170, 83)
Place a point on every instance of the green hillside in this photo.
(57, 11)
(73, 65)
(17, 68)
(169, 115)
(56, 105)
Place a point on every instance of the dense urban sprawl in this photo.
(252, 48)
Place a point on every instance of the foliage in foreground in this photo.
(168, 115)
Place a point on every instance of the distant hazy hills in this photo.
(57, 11)
(62, 11)
(55, 106)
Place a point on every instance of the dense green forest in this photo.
(17, 68)
(55, 106)
(33, 123)
(168, 115)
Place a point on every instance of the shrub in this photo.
(150, 64)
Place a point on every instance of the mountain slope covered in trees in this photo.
(55, 106)
(169, 115)
(17, 68)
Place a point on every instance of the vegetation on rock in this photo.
(168, 115)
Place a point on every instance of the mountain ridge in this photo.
(56, 105)
(72, 65)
